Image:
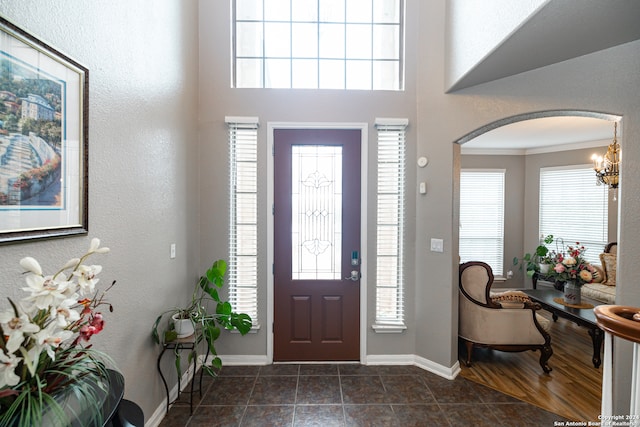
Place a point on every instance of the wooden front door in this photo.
(316, 245)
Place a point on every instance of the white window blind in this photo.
(390, 225)
(482, 217)
(574, 208)
(318, 44)
(243, 215)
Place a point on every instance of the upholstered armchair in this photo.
(504, 321)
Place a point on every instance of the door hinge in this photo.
(273, 149)
(273, 209)
(273, 328)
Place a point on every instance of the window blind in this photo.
(390, 224)
(574, 208)
(482, 217)
(243, 215)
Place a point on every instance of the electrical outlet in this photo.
(172, 251)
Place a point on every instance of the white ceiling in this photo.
(543, 135)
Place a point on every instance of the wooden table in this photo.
(580, 316)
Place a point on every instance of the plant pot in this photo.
(183, 327)
(544, 268)
(572, 293)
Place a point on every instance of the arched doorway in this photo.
(557, 379)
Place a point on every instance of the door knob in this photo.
(355, 276)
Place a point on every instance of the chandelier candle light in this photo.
(607, 167)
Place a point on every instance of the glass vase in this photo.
(572, 293)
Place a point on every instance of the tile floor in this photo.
(348, 395)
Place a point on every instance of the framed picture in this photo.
(43, 139)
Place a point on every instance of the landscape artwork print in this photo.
(43, 139)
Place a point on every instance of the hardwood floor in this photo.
(573, 389)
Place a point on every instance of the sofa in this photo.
(603, 288)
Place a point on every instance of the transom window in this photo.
(318, 44)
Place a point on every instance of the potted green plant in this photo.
(206, 326)
(539, 260)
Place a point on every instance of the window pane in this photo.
(385, 42)
(331, 41)
(243, 224)
(482, 218)
(385, 75)
(277, 10)
(390, 224)
(304, 74)
(331, 10)
(359, 10)
(359, 75)
(358, 41)
(277, 73)
(249, 39)
(305, 41)
(249, 10)
(277, 40)
(304, 10)
(589, 224)
(316, 212)
(321, 30)
(387, 11)
(331, 74)
(248, 73)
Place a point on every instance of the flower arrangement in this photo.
(571, 266)
(43, 350)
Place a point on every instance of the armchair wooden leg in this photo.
(469, 346)
(545, 353)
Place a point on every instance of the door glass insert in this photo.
(316, 204)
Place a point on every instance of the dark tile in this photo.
(318, 390)
(362, 389)
(489, 395)
(509, 414)
(451, 391)
(274, 390)
(210, 416)
(239, 371)
(399, 370)
(178, 416)
(469, 414)
(279, 370)
(370, 415)
(420, 415)
(229, 391)
(406, 389)
(326, 369)
(318, 416)
(268, 416)
(357, 369)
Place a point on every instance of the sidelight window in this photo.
(243, 215)
(390, 225)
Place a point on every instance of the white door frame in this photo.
(364, 128)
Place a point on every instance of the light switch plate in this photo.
(437, 245)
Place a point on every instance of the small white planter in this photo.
(183, 327)
(544, 268)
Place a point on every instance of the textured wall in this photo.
(142, 61)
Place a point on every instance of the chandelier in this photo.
(608, 167)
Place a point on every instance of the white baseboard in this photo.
(411, 359)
